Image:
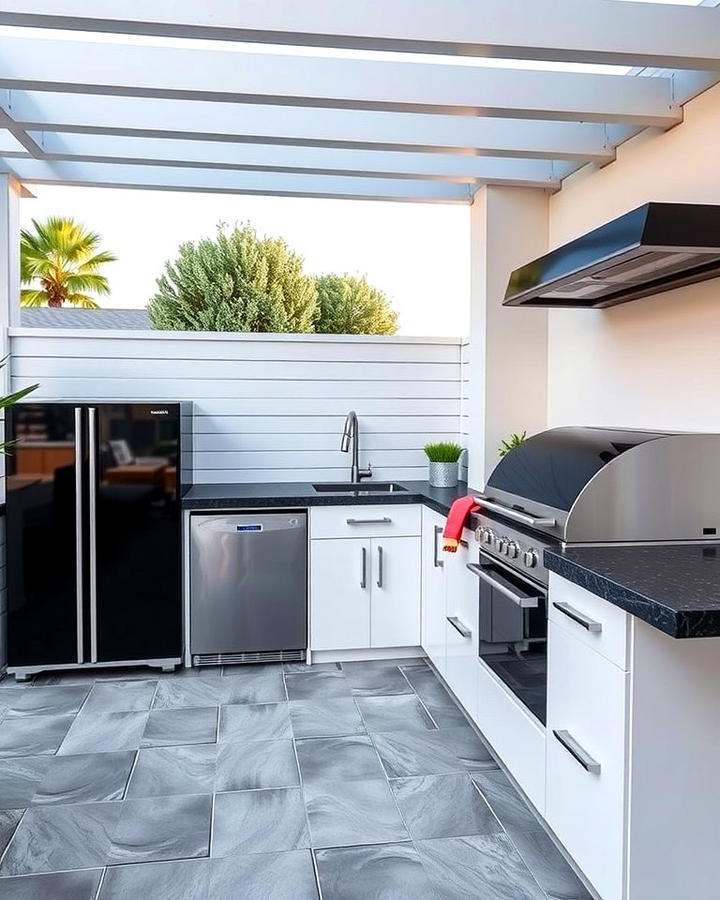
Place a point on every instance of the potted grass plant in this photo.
(443, 459)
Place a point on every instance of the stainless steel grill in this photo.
(599, 486)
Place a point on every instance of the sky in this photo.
(418, 254)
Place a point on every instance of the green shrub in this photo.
(350, 305)
(235, 282)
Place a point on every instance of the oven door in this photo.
(513, 631)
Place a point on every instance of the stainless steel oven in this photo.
(512, 596)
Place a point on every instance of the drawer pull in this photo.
(386, 520)
(577, 616)
(459, 627)
(577, 752)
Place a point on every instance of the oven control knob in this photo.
(500, 544)
(489, 536)
(512, 550)
(530, 559)
(480, 534)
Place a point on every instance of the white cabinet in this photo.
(461, 624)
(395, 601)
(434, 623)
(340, 594)
(365, 591)
(586, 758)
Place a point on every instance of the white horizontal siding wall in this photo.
(465, 394)
(267, 407)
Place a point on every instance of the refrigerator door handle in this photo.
(92, 528)
(79, 534)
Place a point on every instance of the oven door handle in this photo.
(515, 514)
(526, 602)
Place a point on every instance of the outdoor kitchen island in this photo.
(633, 716)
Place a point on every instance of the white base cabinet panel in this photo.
(461, 624)
(587, 730)
(395, 602)
(645, 826)
(434, 622)
(340, 594)
(514, 734)
(365, 583)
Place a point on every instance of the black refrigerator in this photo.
(94, 549)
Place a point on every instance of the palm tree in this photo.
(60, 262)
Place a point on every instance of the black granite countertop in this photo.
(261, 496)
(673, 588)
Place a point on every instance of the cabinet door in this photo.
(340, 580)
(137, 530)
(586, 735)
(461, 608)
(396, 580)
(44, 546)
(434, 625)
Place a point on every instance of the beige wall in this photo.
(508, 347)
(655, 362)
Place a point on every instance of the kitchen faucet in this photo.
(351, 435)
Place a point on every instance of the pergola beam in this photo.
(241, 77)
(311, 160)
(603, 31)
(36, 171)
(286, 126)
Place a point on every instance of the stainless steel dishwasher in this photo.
(248, 587)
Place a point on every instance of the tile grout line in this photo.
(100, 882)
(12, 838)
(131, 773)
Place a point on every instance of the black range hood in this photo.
(655, 248)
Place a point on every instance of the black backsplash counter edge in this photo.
(268, 496)
(673, 588)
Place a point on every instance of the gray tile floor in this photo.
(262, 783)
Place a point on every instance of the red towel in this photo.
(457, 518)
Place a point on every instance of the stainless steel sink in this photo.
(348, 487)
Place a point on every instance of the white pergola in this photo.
(174, 96)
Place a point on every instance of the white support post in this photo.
(9, 254)
(9, 286)
(508, 351)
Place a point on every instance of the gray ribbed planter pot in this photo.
(443, 474)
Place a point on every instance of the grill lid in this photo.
(552, 468)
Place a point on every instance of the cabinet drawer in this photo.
(586, 760)
(592, 620)
(383, 520)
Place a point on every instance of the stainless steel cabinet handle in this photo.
(576, 751)
(526, 602)
(78, 534)
(581, 619)
(437, 562)
(514, 514)
(92, 528)
(459, 627)
(380, 567)
(363, 580)
(384, 521)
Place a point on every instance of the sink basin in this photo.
(367, 487)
